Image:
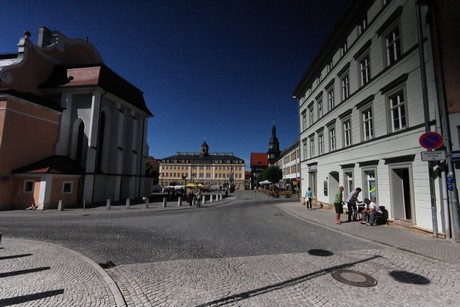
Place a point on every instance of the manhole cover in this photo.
(354, 278)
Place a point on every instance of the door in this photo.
(401, 198)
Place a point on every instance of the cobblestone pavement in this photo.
(291, 280)
(36, 273)
(408, 270)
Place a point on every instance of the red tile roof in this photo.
(259, 159)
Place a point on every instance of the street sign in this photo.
(437, 155)
(431, 140)
(455, 155)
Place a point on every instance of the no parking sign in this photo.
(431, 140)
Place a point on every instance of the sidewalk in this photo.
(394, 236)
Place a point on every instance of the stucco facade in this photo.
(361, 112)
(68, 109)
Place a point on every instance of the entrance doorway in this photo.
(401, 193)
(333, 185)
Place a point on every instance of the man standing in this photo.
(338, 204)
(352, 200)
(309, 197)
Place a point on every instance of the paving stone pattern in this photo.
(36, 273)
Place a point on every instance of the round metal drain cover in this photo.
(354, 278)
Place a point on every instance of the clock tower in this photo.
(273, 147)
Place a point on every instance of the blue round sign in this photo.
(431, 140)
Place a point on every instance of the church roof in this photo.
(97, 75)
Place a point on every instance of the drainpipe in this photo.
(142, 158)
(439, 76)
(427, 116)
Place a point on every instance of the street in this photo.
(248, 252)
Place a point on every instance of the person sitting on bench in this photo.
(370, 212)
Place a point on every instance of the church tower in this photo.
(273, 147)
(204, 149)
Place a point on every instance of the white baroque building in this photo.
(361, 112)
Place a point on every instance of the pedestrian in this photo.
(352, 200)
(198, 198)
(338, 204)
(309, 196)
(190, 198)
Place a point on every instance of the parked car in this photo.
(156, 188)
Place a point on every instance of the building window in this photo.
(332, 139)
(371, 188)
(320, 144)
(347, 133)
(345, 82)
(310, 115)
(320, 108)
(344, 49)
(362, 26)
(304, 148)
(67, 187)
(312, 147)
(365, 70)
(368, 129)
(28, 186)
(304, 120)
(393, 46)
(348, 179)
(330, 99)
(397, 111)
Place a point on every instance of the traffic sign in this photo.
(431, 140)
(436, 155)
(455, 155)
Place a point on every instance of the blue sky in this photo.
(219, 71)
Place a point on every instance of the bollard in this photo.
(107, 204)
(147, 203)
(179, 202)
(128, 203)
(165, 202)
(204, 199)
(84, 205)
(210, 198)
(220, 196)
(60, 208)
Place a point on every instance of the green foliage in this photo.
(272, 174)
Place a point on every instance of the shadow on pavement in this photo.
(280, 285)
(29, 297)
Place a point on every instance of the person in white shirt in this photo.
(370, 211)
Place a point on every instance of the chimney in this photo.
(44, 37)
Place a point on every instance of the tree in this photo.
(273, 174)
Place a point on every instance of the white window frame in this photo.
(368, 124)
(392, 43)
(312, 147)
(304, 120)
(320, 108)
(320, 144)
(332, 139)
(365, 69)
(311, 114)
(305, 146)
(348, 182)
(398, 111)
(345, 86)
(346, 125)
(330, 99)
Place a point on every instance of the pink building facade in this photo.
(71, 129)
